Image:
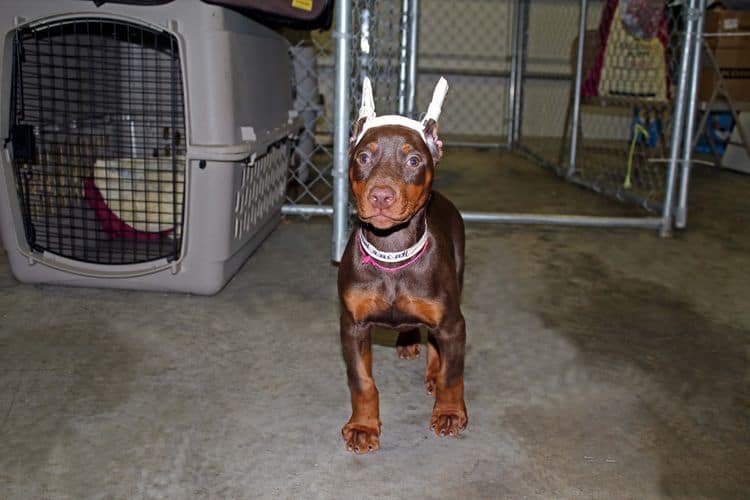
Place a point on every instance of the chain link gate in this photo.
(512, 65)
(629, 120)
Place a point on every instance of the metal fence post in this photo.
(522, 19)
(341, 130)
(407, 72)
(403, 56)
(574, 123)
(513, 73)
(687, 152)
(413, 55)
(678, 123)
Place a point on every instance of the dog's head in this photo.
(392, 161)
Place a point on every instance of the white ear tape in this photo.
(367, 109)
(436, 105)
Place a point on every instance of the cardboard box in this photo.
(731, 53)
(735, 157)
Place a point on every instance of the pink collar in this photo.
(371, 255)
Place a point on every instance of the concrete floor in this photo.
(600, 364)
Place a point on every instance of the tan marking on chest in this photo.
(364, 303)
(429, 312)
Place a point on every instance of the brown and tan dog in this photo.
(402, 268)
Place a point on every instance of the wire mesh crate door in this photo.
(99, 106)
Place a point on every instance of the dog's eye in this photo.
(413, 161)
(363, 158)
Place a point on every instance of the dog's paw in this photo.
(408, 351)
(361, 438)
(407, 344)
(448, 422)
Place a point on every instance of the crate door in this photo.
(98, 133)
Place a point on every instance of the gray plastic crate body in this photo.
(238, 124)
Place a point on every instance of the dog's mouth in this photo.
(381, 220)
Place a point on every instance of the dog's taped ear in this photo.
(434, 144)
(366, 110)
(356, 130)
(430, 121)
(436, 104)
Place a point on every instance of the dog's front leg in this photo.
(362, 432)
(449, 413)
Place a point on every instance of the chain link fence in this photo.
(312, 70)
(512, 67)
(622, 132)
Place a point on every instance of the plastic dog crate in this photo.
(145, 147)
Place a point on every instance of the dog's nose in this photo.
(382, 197)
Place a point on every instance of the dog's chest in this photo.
(393, 306)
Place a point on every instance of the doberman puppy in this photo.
(402, 268)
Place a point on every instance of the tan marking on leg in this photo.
(449, 413)
(433, 366)
(362, 433)
(365, 405)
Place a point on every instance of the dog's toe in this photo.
(448, 423)
(360, 439)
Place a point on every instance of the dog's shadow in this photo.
(391, 338)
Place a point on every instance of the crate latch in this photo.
(248, 135)
(250, 160)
